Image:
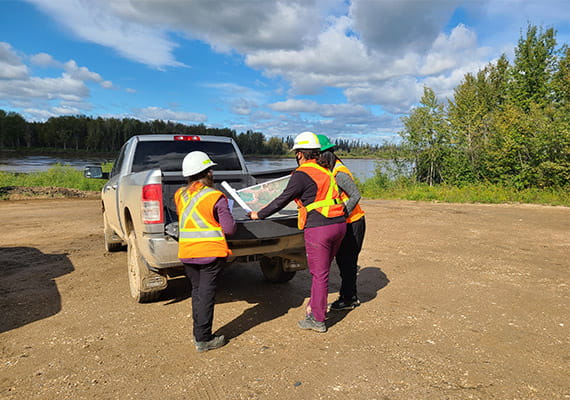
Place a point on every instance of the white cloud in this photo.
(228, 24)
(324, 110)
(11, 66)
(454, 51)
(395, 95)
(399, 26)
(242, 106)
(152, 113)
(20, 89)
(39, 114)
(93, 22)
(44, 60)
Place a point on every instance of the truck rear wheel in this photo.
(272, 268)
(111, 243)
(145, 285)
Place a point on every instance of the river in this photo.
(361, 168)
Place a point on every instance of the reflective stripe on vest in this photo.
(357, 211)
(323, 203)
(200, 235)
(327, 200)
(204, 229)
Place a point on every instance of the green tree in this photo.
(471, 114)
(275, 146)
(425, 138)
(14, 128)
(535, 61)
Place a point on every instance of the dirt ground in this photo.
(459, 302)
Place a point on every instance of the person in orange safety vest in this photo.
(321, 216)
(204, 219)
(347, 256)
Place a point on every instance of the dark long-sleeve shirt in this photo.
(302, 187)
(347, 185)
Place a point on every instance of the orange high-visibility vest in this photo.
(199, 234)
(357, 211)
(327, 201)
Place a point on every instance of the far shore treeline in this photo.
(107, 135)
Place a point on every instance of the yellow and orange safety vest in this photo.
(357, 212)
(200, 235)
(327, 201)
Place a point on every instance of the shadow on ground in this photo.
(28, 291)
(369, 282)
(245, 282)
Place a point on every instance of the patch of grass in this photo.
(59, 176)
(380, 188)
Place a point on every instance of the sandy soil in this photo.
(459, 302)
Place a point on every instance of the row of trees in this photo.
(507, 124)
(108, 134)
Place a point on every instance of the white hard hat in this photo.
(196, 162)
(306, 140)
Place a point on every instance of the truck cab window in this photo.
(168, 155)
(118, 162)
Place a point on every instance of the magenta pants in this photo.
(321, 244)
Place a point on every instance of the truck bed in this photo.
(283, 223)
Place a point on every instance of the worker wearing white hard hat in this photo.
(196, 162)
(204, 220)
(306, 141)
(321, 217)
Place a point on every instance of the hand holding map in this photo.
(258, 196)
(234, 194)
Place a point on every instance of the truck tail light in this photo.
(187, 138)
(152, 204)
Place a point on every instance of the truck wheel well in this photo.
(129, 226)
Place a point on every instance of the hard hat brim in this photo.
(192, 173)
(305, 148)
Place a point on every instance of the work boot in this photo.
(344, 304)
(311, 323)
(214, 343)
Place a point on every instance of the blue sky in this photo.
(348, 69)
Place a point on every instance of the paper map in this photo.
(258, 196)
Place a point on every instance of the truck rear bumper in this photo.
(161, 252)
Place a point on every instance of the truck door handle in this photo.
(107, 188)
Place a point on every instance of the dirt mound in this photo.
(50, 192)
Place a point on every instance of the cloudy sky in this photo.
(346, 68)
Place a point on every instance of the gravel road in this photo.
(458, 302)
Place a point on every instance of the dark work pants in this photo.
(347, 257)
(203, 278)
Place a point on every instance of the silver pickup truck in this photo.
(139, 211)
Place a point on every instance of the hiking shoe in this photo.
(344, 304)
(311, 323)
(214, 343)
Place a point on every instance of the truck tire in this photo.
(111, 244)
(272, 269)
(138, 271)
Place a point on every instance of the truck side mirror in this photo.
(95, 172)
